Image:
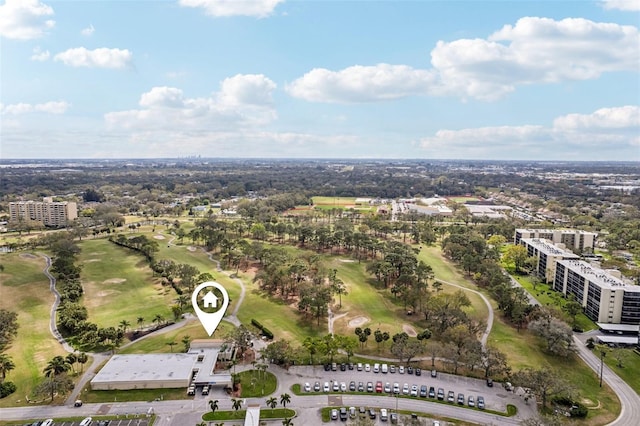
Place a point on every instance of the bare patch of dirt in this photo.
(191, 248)
(159, 237)
(358, 321)
(347, 260)
(409, 330)
(114, 281)
(27, 256)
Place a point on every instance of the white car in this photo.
(367, 368)
(86, 421)
(401, 369)
(396, 388)
(326, 387)
(384, 368)
(405, 389)
(387, 387)
(414, 390)
(307, 387)
(343, 387)
(376, 368)
(336, 386)
(383, 415)
(334, 414)
(48, 422)
(359, 366)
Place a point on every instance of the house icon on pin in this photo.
(210, 300)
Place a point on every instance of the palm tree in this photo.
(140, 322)
(213, 404)
(6, 365)
(124, 325)
(71, 359)
(171, 345)
(158, 319)
(236, 404)
(186, 341)
(82, 358)
(272, 403)
(285, 398)
(56, 366)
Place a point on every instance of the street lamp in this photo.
(602, 355)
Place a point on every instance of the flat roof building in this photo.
(48, 212)
(574, 239)
(160, 371)
(546, 255)
(604, 297)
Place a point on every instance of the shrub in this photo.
(7, 388)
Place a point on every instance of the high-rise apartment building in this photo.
(48, 212)
(574, 239)
(546, 255)
(604, 297)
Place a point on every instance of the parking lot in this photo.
(97, 422)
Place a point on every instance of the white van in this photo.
(383, 414)
(376, 368)
(86, 422)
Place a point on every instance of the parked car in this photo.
(490, 382)
(451, 397)
(378, 387)
(360, 387)
(418, 372)
(409, 370)
(352, 386)
(336, 386)
(350, 366)
(367, 367)
(307, 387)
(392, 368)
(362, 411)
(434, 373)
(369, 386)
(47, 422)
(401, 369)
(327, 367)
(343, 367)
(372, 413)
(405, 389)
(461, 398)
(326, 387)
(423, 391)
(481, 402)
(376, 368)
(414, 390)
(352, 412)
(384, 368)
(387, 387)
(316, 387)
(393, 417)
(343, 387)
(334, 414)
(86, 421)
(334, 366)
(343, 414)
(471, 401)
(359, 366)
(432, 392)
(78, 403)
(383, 415)
(440, 394)
(396, 388)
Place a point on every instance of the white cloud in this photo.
(52, 107)
(533, 51)
(626, 5)
(88, 32)
(97, 58)
(606, 128)
(361, 83)
(244, 100)
(25, 19)
(221, 8)
(40, 55)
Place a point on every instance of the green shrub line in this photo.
(264, 330)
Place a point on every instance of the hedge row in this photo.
(265, 331)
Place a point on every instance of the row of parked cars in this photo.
(413, 390)
(376, 368)
(343, 413)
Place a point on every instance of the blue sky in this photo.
(508, 80)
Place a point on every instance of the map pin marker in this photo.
(211, 320)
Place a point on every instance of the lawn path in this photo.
(53, 324)
(487, 331)
(232, 318)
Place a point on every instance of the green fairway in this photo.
(25, 290)
(334, 201)
(118, 285)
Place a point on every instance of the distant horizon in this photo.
(434, 79)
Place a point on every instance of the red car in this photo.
(378, 387)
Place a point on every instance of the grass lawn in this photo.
(118, 285)
(525, 350)
(256, 383)
(334, 201)
(158, 343)
(629, 371)
(92, 396)
(25, 290)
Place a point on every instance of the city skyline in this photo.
(499, 80)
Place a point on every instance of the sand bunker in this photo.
(347, 260)
(159, 237)
(114, 281)
(191, 248)
(358, 321)
(409, 330)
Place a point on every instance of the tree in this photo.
(6, 365)
(8, 328)
(56, 366)
(544, 383)
(272, 403)
(82, 358)
(213, 405)
(494, 362)
(186, 342)
(572, 308)
(54, 384)
(240, 337)
(516, 254)
(556, 333)
(171, 345)
(311, 345)
(140, 322)
(285, 398)
(236, 404)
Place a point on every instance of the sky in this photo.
(421, 79)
